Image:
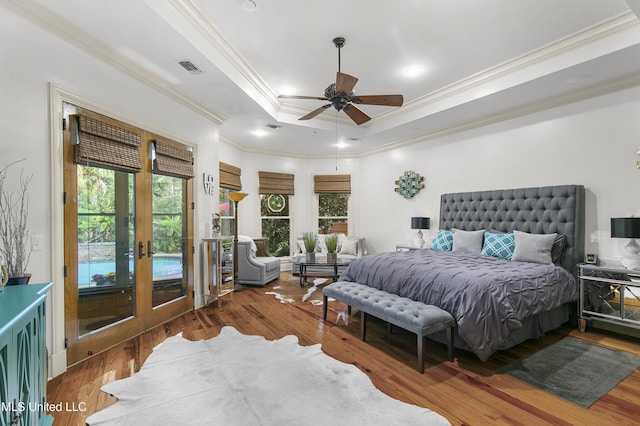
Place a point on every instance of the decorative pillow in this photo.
(498, 245)
(443, 241)
(534, 248)
(467, 241)
(254, 248)
(321, 244)
(558, 248)
(303, 249)
(349, 247)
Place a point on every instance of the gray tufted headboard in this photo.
(542, 210)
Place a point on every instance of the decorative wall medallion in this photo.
(409, 184)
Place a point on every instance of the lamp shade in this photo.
(419, 223)
(625, 227)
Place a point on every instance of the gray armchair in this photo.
(254, 270)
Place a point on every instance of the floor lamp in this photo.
(236, 197)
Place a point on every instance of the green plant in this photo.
(309, 239)
(331, 241)
(16, 246)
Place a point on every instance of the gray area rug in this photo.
(235, 379)
(575, 370)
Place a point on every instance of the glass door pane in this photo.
(169, 239)
(106, 247)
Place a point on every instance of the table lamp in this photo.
(419, 223)
(628, 227)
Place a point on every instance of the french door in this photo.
(128, 236)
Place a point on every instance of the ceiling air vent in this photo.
(189, 66)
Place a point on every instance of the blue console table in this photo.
(23, 355)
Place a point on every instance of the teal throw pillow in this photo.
(499, 245)
(443, 241)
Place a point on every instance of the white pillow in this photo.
(467, 241)
(254, 247)
(321, 244)
(349, 247)
(534, 248)
(303, 249)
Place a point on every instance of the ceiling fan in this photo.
(342, 97)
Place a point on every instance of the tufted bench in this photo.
(403, 312)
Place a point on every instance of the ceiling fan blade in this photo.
(345, 83)
(314, 112)
(302, 97)
(356, 114)
(386, 100)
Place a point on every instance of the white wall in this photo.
(592, 143)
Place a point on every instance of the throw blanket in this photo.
(487, 296)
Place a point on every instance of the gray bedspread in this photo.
(487, 296)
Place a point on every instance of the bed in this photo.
(497, 302)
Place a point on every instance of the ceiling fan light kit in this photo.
(341, 95)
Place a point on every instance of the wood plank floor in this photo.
(466, 392)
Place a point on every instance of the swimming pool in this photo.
(164, 267)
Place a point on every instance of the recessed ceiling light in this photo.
(259, 133)
(341, 145)
(413, 70)
(249, 5)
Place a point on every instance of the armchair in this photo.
(255, 270)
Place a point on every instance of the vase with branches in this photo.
(15, 242)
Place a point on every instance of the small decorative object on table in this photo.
(215, 225)
(332, 247)
(16, 244)
(309, 239)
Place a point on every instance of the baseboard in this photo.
(57, 364)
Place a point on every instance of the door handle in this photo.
(140, 250)
(149, 251)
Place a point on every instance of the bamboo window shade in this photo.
(332, 183)
(173, 160)
(230, 177)
(276, 183)
(101, 144)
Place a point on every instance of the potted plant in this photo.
(309, 239)
(15, 243)
(332, 247)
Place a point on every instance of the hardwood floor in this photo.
(466, 392)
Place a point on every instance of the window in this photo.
(275, 192)
(333, 212)
(229, 182)
(276, 224)
(227, 212)
(334, 196)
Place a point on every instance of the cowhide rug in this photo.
(287, 290)
(235, 379)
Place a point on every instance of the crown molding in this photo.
(553, 50)
(560, 100)
(258, 89)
